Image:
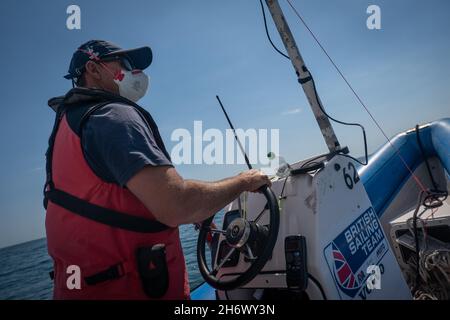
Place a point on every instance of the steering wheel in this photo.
(248, 237)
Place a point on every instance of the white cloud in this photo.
(291, 111)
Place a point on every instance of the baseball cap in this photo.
(98, 49)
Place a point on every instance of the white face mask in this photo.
(132, 84)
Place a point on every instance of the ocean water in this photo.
(24, 268)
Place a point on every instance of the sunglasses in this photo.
(126, 63)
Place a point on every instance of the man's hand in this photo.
(254, 179)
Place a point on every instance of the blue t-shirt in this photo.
(117, 143)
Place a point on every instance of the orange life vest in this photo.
(101, 227)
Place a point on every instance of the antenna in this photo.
(234, 132)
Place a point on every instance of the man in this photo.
(114, 200)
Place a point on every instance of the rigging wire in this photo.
(346, 124)
(267, 32)
(417, 180)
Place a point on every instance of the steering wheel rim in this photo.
(257, 265)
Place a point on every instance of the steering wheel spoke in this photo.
(224, 260)
(213, 230)
(249, 253)
(260, 214)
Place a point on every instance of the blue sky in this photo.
(203, 48)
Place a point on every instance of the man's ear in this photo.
(92, 70)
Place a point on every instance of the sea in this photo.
(25, 267)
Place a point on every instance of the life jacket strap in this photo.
(103, 215)
(114, 272)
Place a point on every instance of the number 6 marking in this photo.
(349, 180)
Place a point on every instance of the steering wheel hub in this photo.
(238, 233)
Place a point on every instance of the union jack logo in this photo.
(343, 273)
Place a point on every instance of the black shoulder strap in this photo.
(84, 208)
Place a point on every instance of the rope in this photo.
(429, 268)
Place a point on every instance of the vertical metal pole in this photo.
(303, 75)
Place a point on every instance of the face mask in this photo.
(132, 84)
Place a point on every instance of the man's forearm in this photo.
(174, 201)
(203, 199)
